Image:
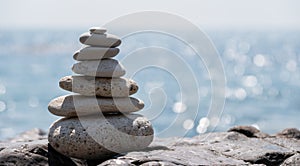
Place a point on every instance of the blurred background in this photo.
(258, 42)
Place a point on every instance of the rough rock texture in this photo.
(249, 131)
(223, 148)
(73, 105)
(28, 148)
(289, 133)
(104, 87)
(95, 53)
(102, 68)
(94, 137)
(98, 30)
(102, 40)
(294, 160)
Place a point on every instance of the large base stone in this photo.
(96, 137)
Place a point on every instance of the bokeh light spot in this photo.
(259, 60)
(249, 81)
(179, 107)
(291, 65)
(204, 122)
(240, 94)
(201, 129)
(188, 124)
(2, 106)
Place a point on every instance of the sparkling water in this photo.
(261, 69)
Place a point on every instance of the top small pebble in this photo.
(97, 30)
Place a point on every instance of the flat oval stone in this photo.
(100, 137)
(101, 68)
(95, 53)
(97, 30)
(74, 105)
(105, 87)
(102, 40)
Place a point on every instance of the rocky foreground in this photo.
(242, 145)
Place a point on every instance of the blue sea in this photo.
(261, 70)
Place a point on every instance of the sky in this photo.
(29, 14)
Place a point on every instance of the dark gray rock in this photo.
(249, 131)
(289, 133)
(178, 151)
(252, 150)
(292, 144)
(24, 153)
(294, 160)
(222, 148)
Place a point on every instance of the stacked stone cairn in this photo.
(97, 118)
